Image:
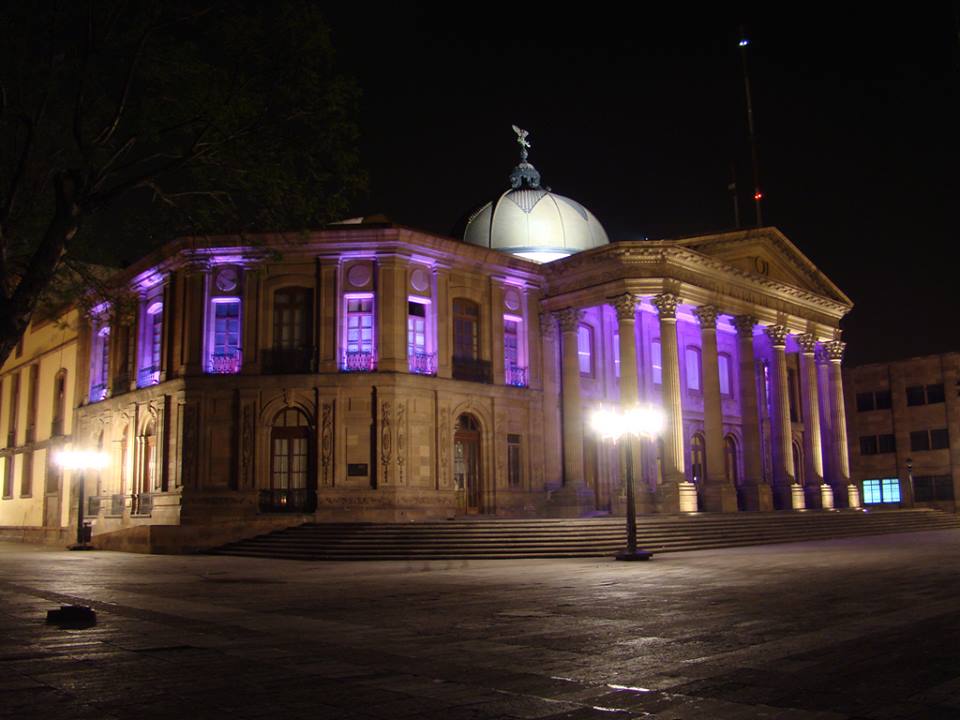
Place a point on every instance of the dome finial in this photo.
(524, 173)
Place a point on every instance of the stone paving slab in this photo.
(856, 629)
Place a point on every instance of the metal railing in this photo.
(98, 392)
(288, 361)
(358, 362)
(227, 363)
(148, 376)
(299, 500)
(142, 504)
(516, 376)
(423, 363)
(471, 370)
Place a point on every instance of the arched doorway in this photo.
(293, 484)
(467, 477)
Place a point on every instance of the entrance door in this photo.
(466, 464)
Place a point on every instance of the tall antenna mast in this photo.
(757, 194)
(732, 187)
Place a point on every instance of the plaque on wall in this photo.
(357, 470)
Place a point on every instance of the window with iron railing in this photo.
(358, 353)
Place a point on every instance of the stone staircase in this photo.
(489, 539)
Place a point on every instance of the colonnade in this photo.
(718, 492)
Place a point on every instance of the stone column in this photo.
(757, 495)
(818, 493)
(569, 320)
(789, 492)
(675, 494)
(552, 423)
(719, 494)
(842, 487)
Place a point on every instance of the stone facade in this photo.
(374, 372)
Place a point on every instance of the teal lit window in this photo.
(884, 490)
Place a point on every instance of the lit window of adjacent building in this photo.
(585, 349)
(883, 490)
(723, 365)
(421, 359)
(514, 466)
(693, 368)
(514, 368)
(359, 330)
(656, 362)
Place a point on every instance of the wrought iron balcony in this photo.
(298, 500)
(148, 376)
(288, 361)
(471, 370)
(226, 363)
(423, 363)
(515, 375)
(98, 392)
(358, 362)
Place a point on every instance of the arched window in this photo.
(698, 463)
(292, 487)
(466, 334)
(585, 350)
(292, 350)
(732, 459)
(59, 402)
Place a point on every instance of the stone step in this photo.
(593, 537)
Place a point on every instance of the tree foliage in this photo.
(123, 124)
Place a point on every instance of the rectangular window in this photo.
(865, 402)
(890, 489)
(868, 444)
(26, 475)
(935, 393)
(152, 339)
(883, 399)
(359, 356)
(616, 355)
(883, 490)
(656, 363)
(919, 440)
(939, 439)
(693, 369)
(14, 410)
(585, 349)
(419, 358)
(915, 395)
(515, 373)
(871, 492)
(723, 363)
(225, 355)
(514, 467)
(928, 488)
(8, 476)
(886, 443)
(794, 386)
(33, 391)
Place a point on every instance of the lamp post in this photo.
(913, 499)
(81, 461)
(638, 421)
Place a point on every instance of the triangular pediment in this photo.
(767, 253)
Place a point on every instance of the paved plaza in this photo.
(865, 628)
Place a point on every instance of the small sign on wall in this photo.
(357, 470)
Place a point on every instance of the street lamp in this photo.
(637, 421)
(81, 460)
(913, 499)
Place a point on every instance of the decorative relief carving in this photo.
(386, 440)
(666, 305)
(808, 343)
(326, 443)
(401, 438)
(247, 432)
(444, 445)
(707, 316)
(625, 305)
(777, 334)
(744, 325)
(569, 319)
(548, 325)
(501, 478)
(835, 350)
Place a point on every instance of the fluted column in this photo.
(789, 493)
(569, 320)
(626, 307)
(818, 494)
(756, 493)
(719, 494)
(676, 494)
(842, 486)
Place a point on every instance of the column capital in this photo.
(835, 350)
(666, 304)
(569, 318)
(707, 316)
(625, 305)
(777, 334)
(548, 325)
(744, 325)
(808, 343)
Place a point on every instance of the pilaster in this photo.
(569, 320)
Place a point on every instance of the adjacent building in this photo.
(369, 371)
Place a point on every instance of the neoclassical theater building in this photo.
(369, 371)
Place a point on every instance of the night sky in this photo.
(641, 117)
